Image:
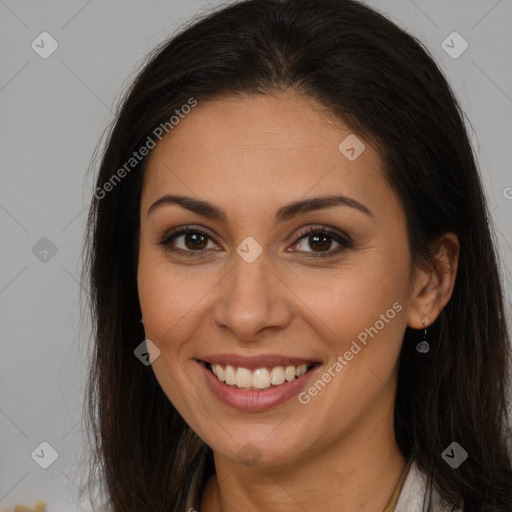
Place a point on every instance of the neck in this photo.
(357, 474)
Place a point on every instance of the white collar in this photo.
(413, 493)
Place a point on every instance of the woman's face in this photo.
(249, 287)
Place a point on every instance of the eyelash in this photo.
(344, 240)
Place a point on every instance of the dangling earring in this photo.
(423, 346)
(142, 321)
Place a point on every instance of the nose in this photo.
(252, 299)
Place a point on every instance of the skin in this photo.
(250, 156)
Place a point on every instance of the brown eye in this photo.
(187, 242)
(194, 241)
(319, 241)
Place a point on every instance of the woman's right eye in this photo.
(192, 242)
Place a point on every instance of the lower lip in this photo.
(248, 400)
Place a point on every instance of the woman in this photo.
(289, 213)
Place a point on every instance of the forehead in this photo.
(263, 149)
(256, 125)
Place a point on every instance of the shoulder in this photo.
(414, 491)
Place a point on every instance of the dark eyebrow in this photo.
(288, 211)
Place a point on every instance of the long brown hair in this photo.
(382, 82)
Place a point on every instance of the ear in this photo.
(433, 285)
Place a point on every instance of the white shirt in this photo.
(413, 491)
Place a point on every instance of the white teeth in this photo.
(261, 378)
(229, 375)
(300, 370)
(243, 378)
(289, 373)
(219, 371)
(277, 375)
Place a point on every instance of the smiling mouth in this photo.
(259, 379)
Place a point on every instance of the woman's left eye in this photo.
(194, 242)
(321, 238)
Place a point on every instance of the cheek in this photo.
(360, 318)
(171, 299)
(167, 301)
(352, 299)
(359, 310)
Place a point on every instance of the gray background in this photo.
(53, 113)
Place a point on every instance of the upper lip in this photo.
(254, 362)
